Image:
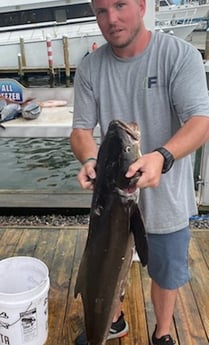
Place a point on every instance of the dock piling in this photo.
(66, 56)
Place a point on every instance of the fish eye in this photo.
(127, 149)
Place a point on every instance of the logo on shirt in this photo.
(149, 82)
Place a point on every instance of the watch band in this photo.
(168, 159)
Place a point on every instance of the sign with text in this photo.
(11, 89)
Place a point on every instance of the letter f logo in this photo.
(151, 81)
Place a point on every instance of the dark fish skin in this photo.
(115, 228)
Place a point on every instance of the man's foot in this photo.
(118, 329)
(164, 340)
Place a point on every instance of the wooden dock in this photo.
(61, 249)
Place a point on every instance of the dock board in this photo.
(61, 249)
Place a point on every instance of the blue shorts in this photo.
(168, 258)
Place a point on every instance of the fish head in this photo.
(119, 149)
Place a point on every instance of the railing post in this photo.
(50, 56)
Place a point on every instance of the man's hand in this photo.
(150, 166)
(87, 175)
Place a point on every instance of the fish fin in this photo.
(138, 229)
(28, 100)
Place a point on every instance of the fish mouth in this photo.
(131, 128)
(128, 194)
(129, 189)
(126, 191)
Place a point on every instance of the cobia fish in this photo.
(115, 228)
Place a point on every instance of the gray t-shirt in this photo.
(159, 89)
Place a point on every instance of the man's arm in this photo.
(83, 144)
(84, 147)
(193, 134)
(190, 137)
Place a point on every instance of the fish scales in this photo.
(115, 227)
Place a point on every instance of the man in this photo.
(159, 82)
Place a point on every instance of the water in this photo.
(37, 164)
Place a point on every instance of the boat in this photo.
(166, 10)
(27, 14)
(181, 20)
(35, 20)
(182, 30)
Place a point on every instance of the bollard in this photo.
(50, 55)
(66, 56)
(20, 66)
(22, 50)
(157, 5)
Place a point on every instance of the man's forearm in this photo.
(190, 137)
(83, 144)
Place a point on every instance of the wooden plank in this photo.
(60, 275)
(27, 243)
(202, 239)
(9, 241)
(200, 283)
(1, 233)
(45, 249)
(74, 323)
(134, 308)
(187, 318)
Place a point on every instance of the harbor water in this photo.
(37, 164)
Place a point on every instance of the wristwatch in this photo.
(168, 159)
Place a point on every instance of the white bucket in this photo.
(24, 287)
